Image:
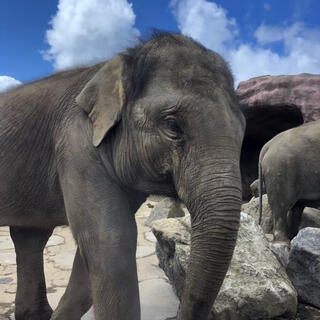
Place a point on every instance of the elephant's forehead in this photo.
(193, 66)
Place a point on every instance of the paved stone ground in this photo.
(158, 301)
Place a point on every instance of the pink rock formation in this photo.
(302, 91)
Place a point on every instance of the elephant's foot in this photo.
(281, 237)
(24, 313)
(281, 249)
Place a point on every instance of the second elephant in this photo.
(289, 167)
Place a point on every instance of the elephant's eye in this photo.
(173, 129)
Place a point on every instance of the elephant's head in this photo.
(166, 116)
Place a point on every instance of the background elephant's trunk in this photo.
(213, 199)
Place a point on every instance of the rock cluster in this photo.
(302, 262)
(256, 285)
(264, 281)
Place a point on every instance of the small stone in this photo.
(167, 208)
(150, 237)
(5, 280)
(254, 187)
(144, 251)
(304, 265)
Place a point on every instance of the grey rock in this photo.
(252, 208)
(310, 218)
(256, 285)
(307, 312)
(166, 208)
(304, 265)
(254, 187)
(281, 251)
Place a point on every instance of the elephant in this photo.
(289, 172)
(86, 146)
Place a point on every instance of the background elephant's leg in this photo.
(31, 297)
(279, 206)
(76, 301)
(294, 220)
(280, 227)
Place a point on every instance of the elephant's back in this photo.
(293, 157)
(31, 118)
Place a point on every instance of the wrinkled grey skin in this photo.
(85, 147)
(289, 168)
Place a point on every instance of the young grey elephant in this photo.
(289, 167)
(86, 146)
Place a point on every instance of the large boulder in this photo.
(252, 208)
(301, 91)
(304, 265)
(165, 208)
(256, 285)
(310, 218)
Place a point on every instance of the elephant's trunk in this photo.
(213, 199)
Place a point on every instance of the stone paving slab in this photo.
(158, 300)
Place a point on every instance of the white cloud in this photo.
(206, 22)
(7, 83)
(86, 31)
(266, 6)
(219, 32)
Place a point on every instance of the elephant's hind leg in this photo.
(31, 298)
(280, 208)
(76, 301)
(294, 219)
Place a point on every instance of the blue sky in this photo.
(256, 37)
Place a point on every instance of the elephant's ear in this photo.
(103, 98)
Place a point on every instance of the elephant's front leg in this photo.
(113, 273)
(76, 300)
(31, 299)
(103, 224)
